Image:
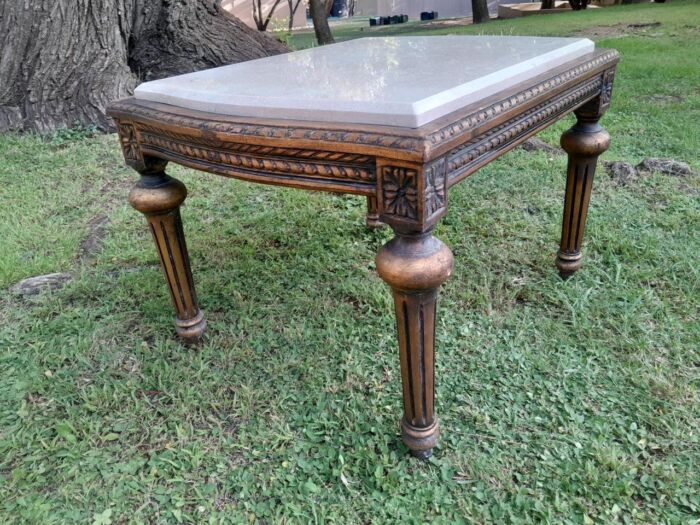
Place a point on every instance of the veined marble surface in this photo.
(394, 81)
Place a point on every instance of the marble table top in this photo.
(394, 81)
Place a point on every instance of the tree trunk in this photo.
(260, 22)
(547, 4)
(480, 11)
(292, 12)
(63, 61)
(320, 19)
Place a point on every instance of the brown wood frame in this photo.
(405, 174)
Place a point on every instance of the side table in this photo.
(396, 120)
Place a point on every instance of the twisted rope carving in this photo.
(287, 166)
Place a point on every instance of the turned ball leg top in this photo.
(414, 263)
(157, 193)
(585, 139)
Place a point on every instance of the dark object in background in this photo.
(429, 15)
(387, 20)
(577, 5)
(339, 8)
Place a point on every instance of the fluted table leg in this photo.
(584, 142)
(415, 266)
(159, 196)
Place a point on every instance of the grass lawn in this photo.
(561, 402)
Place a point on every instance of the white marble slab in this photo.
(396, 81)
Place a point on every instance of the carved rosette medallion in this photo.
(130, 145)
(412, 197)
(400, 191)
(607, 87)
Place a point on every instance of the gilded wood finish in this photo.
(414, 266)
(372, 217)
(405, 175)
(584, 142)
(159, 197)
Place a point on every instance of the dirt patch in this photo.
(665, 99)
(689, 189)
(671, 167)
(113, 194)
(93, 242)
(617, 30)
(535, 144)
(624, 174)
(644, 26)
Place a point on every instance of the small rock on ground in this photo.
(35, 285)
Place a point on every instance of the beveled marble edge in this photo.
(420, 144)
(431, 109)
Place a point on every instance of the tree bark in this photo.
(320, 20)
(63, 61)
(480, 11)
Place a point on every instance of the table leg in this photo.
(584, 142)
(159, 197)
(415, 266)
(372, 218)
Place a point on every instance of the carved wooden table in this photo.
(397, 120)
